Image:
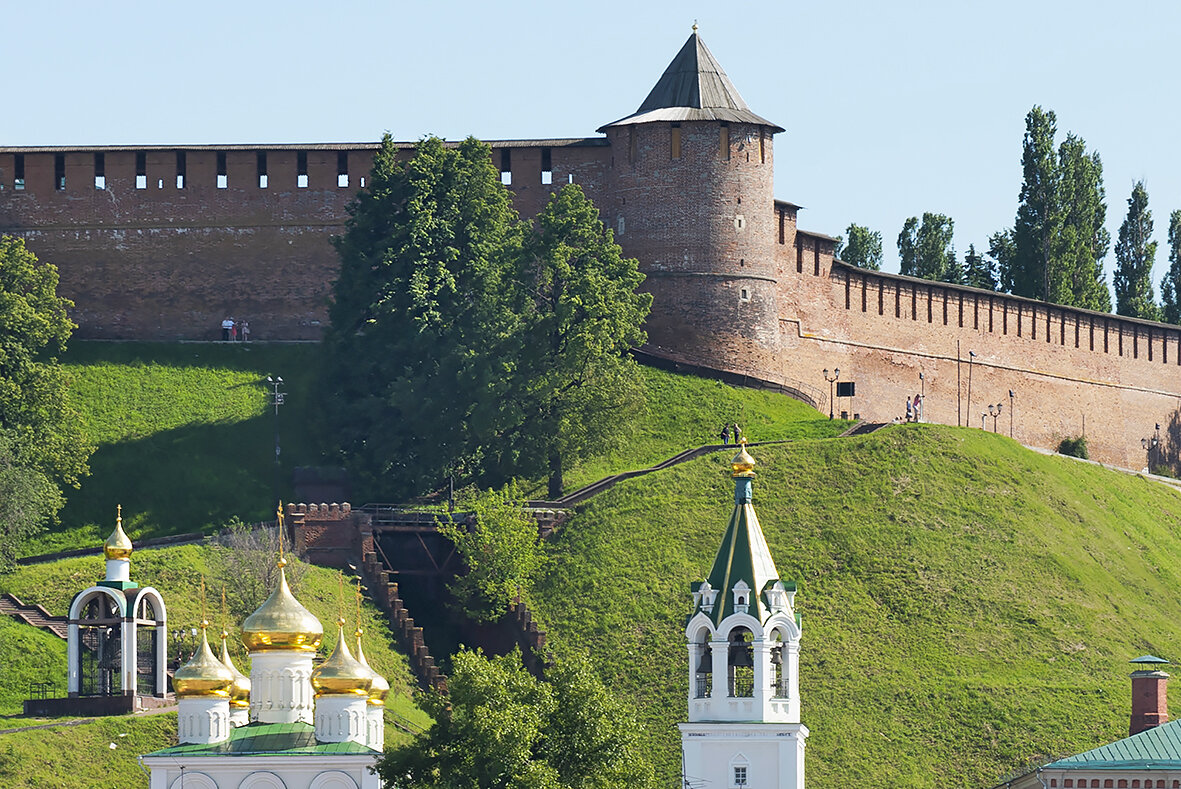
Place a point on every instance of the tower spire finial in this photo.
(694, 25)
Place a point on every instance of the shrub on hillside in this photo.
(1074, 447)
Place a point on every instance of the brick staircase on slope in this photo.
(33, 615)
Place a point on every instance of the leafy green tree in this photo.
(955, 273)
(1170, 288)
(1135, 252)
(864, 248)
(1003, 252)
(979, 271)
(1082, 241)
(28, 501)
(500, 728)
(925, 249)
(34, 328)
(580, 315)
(421, 346)
(1034, 232)
(499, 548)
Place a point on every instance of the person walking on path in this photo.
(725, 435)
(737, 431)
(909, 410)
(245, 331)
(918, 407)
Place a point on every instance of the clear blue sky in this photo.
(891, 109)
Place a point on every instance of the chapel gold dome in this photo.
(380, 687)
(282, 623)
(204, 675)
(118, 545)
(240, 689)
(742, 464)
(341, 674)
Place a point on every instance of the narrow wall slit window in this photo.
(631, 144)
(262, 169)
(59, 171)
(547, 166)
(674, 143)
(18, 171)
(181, 169)
(223, 180)
(762, 145)
(506, 166)
(342, 169)
(141, 170)
(724, 142)
(301, 170)
(100, 171)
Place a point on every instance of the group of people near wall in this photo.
(731, 430)
(914, 409)
(235, 331)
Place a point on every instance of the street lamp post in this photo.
(971, 358)
(1012, 394)
(836, 373)
(1149, 445)
(277, 399)
(994, 411)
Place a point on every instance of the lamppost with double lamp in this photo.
(1012, 394)
(1150, 444)
(971, 358)
(836, 373)
(278, 398)
(994, 411)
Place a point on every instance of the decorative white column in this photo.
(720, 652)
(280, 686)
(342, 719)
(129, 656)
(72, 669)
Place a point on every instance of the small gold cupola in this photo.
(380, 687)
(341, 674)
(240, 689)
(118, 545)
(743, 464)
(204, 675)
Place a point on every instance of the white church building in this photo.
(744, 645)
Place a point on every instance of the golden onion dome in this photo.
(341, 674)
(743, 464)
(240, 690)
(118, 545)
(282, 623)
(204, 675)
(380, 687)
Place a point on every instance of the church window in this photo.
(100, 176)
(180, 169)
(301, 170)
(506, 166)
(675, 141)
(547, 166)
(223, 180)
(59, 171)
(724, 142)
(18, 171)
(741, 589)
(261, 161)
(342, 169)
(740, 775)
(141, 170)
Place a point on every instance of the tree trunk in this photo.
(555, 476)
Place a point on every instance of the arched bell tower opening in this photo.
(740, 666)
(99, 646)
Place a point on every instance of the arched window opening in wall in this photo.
(181, 168)
(740, 663)
(547, 166)
(674, 142)
(100, 174)
(704, 673)
(261, 160)
(59, 171)
(342, 170)
(506, 166)
(779, 676)
(724, 142)
(100, 654)
(223, 180)
(18, 171)
(141, 170)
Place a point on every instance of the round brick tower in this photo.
(691, 197)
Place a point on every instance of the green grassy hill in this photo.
(967, 604)
(31, 758)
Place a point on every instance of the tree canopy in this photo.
(925, 249)
(500, 728)
(863, 248)
(1135, 252)
(41, 443)
(1170, 288)
(467, 342)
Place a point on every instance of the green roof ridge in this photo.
(1159, 746)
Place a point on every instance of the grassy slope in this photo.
(176, 572)
(967, 604)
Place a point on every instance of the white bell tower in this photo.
(744, 647)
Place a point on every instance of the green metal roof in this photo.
(1151, 659)
(262, 739)
(1158, 748)
(743, 556)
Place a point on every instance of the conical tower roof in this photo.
(694, 88)
(743, 556)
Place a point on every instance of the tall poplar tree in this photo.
(1170, 288)
(1135, 252)
(1082, 240)
(1032, 273)
(925, 248)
